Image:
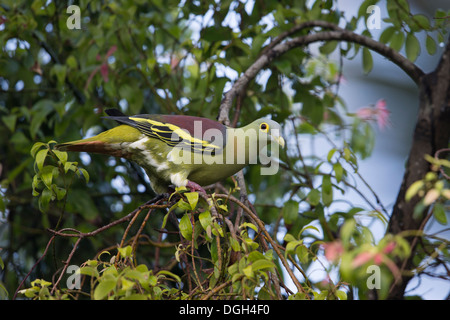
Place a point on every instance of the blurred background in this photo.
(142, 66)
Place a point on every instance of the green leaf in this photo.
(213, 33)
(205, 219)
(61, 155)
(40, 111)
(249, 225)
(89, 271)
(302, 253)
(60, 71)
(328, 47)
(71, 62)
(284, 65)
(126, 252)
(192, 198)
(330, 154)
(133, 274)
(307, 228)
(135, 296)
(169, 274)
(40, 158)
(46, 174)
(422, 21)
(38, 7)
(313, 197)
(347, 230)
(36, 147)
(367, 60)
(235, 244)
(412, 47)
(104, 288)
(327, 190)
(397, 40)
(439, 213)
(387, 34)
(183, 205)
(248, 271)
(418, 210)
(291, 246)
(290, 211)
(262, 264)
(413, 189)
(430, 44)
(186, 227)
(341, 295)
(255, 255)
(338, 171)
(44, 200)
(313, 108)
(85, 174)
(10, 121)
(289, 237)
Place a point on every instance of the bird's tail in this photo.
(93, 146)
(109, 142)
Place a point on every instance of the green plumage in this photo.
(181, 150)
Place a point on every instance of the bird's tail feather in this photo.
(92, 146)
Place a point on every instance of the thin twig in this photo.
(34, 266)
(66, 264)
(216, 289)
(260, 225)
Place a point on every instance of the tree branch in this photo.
(431, 134)
(337, 33)
(262, 228)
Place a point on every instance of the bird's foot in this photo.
(195, 187)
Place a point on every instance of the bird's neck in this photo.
(244, 145)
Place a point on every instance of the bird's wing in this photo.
(175, 130)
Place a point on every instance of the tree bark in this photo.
(432, 132)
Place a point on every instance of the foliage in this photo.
(181, 57)
(113, 280)
(432, 191)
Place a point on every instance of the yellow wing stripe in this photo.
(164, 132)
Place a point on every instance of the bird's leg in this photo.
(195, 187)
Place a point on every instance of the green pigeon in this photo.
(179, 150)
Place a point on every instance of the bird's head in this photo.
(268, 129)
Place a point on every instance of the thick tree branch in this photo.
(432, 133)
(337, 33)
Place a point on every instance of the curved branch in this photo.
(337, 33)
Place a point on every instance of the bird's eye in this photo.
(264, 127)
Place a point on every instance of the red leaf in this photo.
(111, 51)
(104, 71)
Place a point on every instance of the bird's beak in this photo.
(279, 140)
